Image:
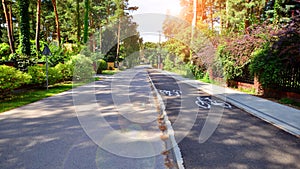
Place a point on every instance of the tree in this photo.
(78, 20)
(24, 27)
(241, 14)
(187, 10)
(86, 21)
(56, 21)
(38, 25)
(9, 26)
(150, 52)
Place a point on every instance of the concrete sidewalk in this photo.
(284, 117)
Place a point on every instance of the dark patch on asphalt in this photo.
(240, 141)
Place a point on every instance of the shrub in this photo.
(96, 56)
(66, 71)
(168, 63)
(54, 75)
(102, 65)
(206, 78)
(81, 67)
(86, 51)
(38, 75)
(197, 72)
(4, 51)
(58, 54)
(277, 62)
(235, 54)
(11, 78)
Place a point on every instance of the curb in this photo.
(175, 149)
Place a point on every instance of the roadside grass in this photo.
(250, 91)
(288, 101)
(110, 72)
(24, 97)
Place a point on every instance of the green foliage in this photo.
(274, 61)
(81, 67)
(229, 70)
(11, 78)
(206, 78)
(110, 72)
(286, 101)
(278, 11)
(235, 54)
(168, 64)
(4, 51)
(102, 65)
(38, 75)
(150, 52)
(54, 75)
(24, 27)
(267, 65)
(86, 51)
(86, 21)
(66, 71)
(96, 56)
(177, 48)
(196, 71)
(34, 52)
(58, 55)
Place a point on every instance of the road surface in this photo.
(49, 134)
(241, 141)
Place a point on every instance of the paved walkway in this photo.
(282, 116)
(50, 134)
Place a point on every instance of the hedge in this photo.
(11, 78)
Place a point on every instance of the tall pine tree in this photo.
(86, 21)
(24, 27)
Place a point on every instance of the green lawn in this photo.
(109, 72)
(32, 95)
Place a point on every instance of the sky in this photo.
(150, 16)
(156, 6)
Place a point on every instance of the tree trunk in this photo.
(100, 39)
(11, 26)
(57, 22)
(8, 23)
(86, 21)
(24, 27)
(38, 26)
(118, 40)
(78, 21)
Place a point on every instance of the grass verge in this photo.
(290, 102)
(24, 97)
(109, 72)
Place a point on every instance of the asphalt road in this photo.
(241, 141)
(49, 134)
